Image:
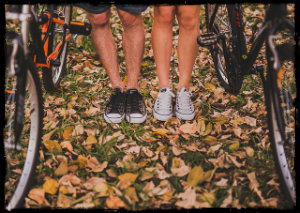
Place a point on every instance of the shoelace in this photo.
(134, 98)
(163, 101)
(184, 100)
(115, 101)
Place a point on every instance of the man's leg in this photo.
(105, 47)
(162, 41)
(133, 44)
(188, 19)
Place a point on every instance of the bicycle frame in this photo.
(269, 23)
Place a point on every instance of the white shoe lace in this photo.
(184, 100)
(164, 100)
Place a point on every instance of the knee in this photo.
(188, 22)
(164, 17)
(130, 19)
(99, 20)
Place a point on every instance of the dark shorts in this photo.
(103, 7)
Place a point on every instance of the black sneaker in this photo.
(115, 109)
(135, 107)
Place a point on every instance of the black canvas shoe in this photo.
(115, 109)
(135, 107)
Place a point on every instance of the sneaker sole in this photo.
(113, 120)
(135, 120)
(185, 116)
(161, 117)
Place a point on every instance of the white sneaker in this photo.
(163, 109)
(184, 107)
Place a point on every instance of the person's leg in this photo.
(188, 19)
(133, 44)
(162, 41)
(105, 47)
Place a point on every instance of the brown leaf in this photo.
(188, 198)
(62, 169)
(52, 146)
(66, 179)
(38, 195)
(126, 180)
(179, 168)
(94, 164)
(254, 185)
(250, 121)
(188, 128)
(91, 140)
(113, 202)
(64, 201)
(130, 194)
(47, 136)
(67, 145)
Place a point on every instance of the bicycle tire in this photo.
(33, 123)
(53, 75)
(280, 93)
(227, 53)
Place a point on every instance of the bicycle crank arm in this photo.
(207, 39)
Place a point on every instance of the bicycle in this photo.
(32, 48)
(226, 41)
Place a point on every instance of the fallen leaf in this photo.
(52, 146)
(198, 176)
(234, 146)
(94, 165)
(188, 128)
(130, 194)
(62, 169)
(66, 179)
(50, 186)
(250, 121)
(210, 87)
(249, 151)
(113, 202)
(208, 197)
(220, 120)
(102, 189)
(188, 198)
(222, 183)
(68, 132)
(126, 180)
(64, 201)
(254, 185)
(179, 168)
(47, 136)
(38, 195)
(91, 140)
(67, 145)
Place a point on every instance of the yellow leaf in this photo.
(142, 164)
(125, 81)
(130, 176)
(238, 121)
(145, 64)
(47, 136)
(234, 146)
(113, 202)
(175, 162)
(91, 140)
(62, 169)
(67, 189)
(160, 133)
(131, 193)
(167, 196)
(220, 120)
(211, 140)
(210, 87)
(201, 126)
(160, 148)
(52, 146)
(68, 132)
(208, 197)
(208, 129)
(197, 176)
(82, 160)
(50, 186)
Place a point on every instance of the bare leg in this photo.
(133, 45)
(105, 47)
(162, 42)
(188, 19)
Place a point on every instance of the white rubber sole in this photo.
(113, 120)
(185, 116)
(161, 117)
(136, 120)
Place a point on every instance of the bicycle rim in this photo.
(223, 52)
(281, 117)
(53, 75)
(21, 158)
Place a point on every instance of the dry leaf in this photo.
(254, 185)
(198, 176)
(126, 180)
(210, 87)
(234, 146)
(250, 121)
(188, 128)
(249, 151)
(188, 198)
(68, 132)
(52, 146)
(47, 136)
(130, 194)
(62, 169)
(91, 140)
(38, 195)
(113, 202)
(50, 186)
(102, 189)
(66, 179)
(94, 164)
(179, 168)
(67, 145)
(64, 201)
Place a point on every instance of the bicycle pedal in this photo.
(55, 63)
(80, 28)
(207, 39)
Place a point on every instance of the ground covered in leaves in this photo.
(220, 159)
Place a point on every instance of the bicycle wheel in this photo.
(53, 75)
(227, 52)
(280, 92)
(21, 150)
